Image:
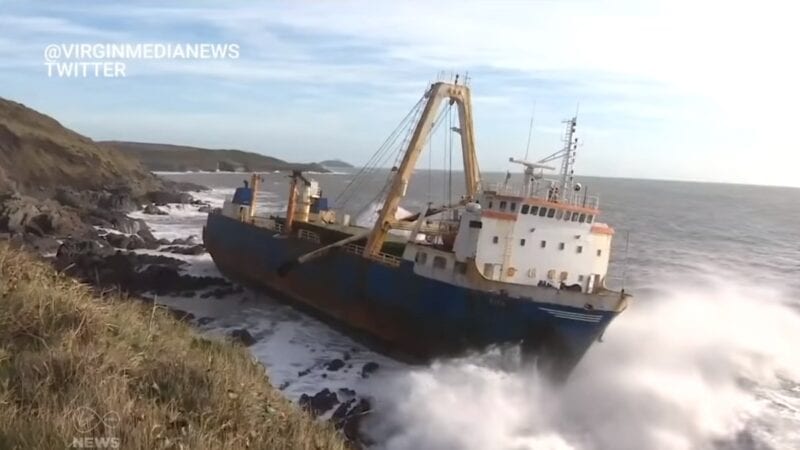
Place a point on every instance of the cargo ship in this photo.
(505, 264)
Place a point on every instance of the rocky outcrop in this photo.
(21, 214)
(319, 403)
(154, 210)
(184, 250)
(103, 266)
(163, 197)
(368, 369)
(243, 337)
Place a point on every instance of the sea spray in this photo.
(687, 369)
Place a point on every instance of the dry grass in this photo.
(68, 358)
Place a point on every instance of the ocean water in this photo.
(706, 356)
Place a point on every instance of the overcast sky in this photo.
(674, 90)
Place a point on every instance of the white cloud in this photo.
(716, 78)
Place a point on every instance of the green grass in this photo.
(69, 358)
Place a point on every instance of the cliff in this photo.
(180, 158)
(38, 154)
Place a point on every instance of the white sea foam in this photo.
(696, 367)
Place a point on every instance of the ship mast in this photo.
(461, 96)
(568, 161)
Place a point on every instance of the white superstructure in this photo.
(543, 233)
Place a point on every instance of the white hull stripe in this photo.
(573, 315)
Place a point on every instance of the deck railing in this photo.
(308, 236)
(384, 258)
(539, 191)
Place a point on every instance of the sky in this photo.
(686, 90)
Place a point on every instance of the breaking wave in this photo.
(707, 366)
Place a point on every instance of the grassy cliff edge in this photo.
(74, 366)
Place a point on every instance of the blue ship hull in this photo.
(416, 315)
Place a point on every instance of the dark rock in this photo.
(163, 241)
(341, 411)
(20, 214)
(44, 245)
(191, 240)
(184, 186)
(162, 198)
(348, 419)
(321, 402)
(223, 292)
(204, 320)
(111, 199)
(150, 241)
(117, 240)
(181, 250)
(368, 369)
(243, 336)
(116, 220)
(73, 249)
(135, 242)
(304, 372)
(180, 314)
(204, 209)
(118, 200)
(334, 365)
(154, 210)
(345, 394)
(135, 273)
(346, 356)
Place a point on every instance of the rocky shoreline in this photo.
(90, 236)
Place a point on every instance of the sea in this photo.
(707, 356)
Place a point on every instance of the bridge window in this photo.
(513, 206)
(421, 258)
(580, 249)
(534, 210)
(460, 267)
(566, 215)
(524, 209)
(599, 252)
(522, 242)
(531, 273)
(542, 212)
(559, 214)
(580, 277)
(582, 218)
(575, 217)
(543, 244)
(589, 218)
(490, 204)
(551, 212)
(503, 205)
(439, 262)
(561, 246)
(495, 240)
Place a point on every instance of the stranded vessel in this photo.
(505, 264)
